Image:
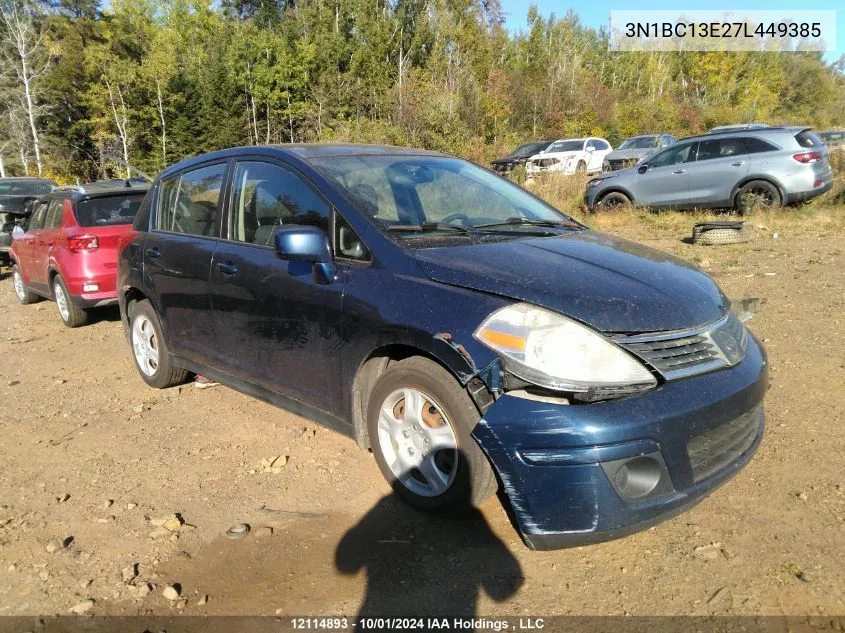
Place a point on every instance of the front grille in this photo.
(721, 446)
(685, 353)
(621, 163)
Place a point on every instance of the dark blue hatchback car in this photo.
(468, 333)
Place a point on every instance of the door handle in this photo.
(739, 164)
(227, 268)
(679, 171)
(153, 252)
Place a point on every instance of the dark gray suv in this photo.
(735, 169)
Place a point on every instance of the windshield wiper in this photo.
(520, 221)
(426, 226)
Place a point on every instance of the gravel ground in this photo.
(115, 498)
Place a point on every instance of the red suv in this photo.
(68, 252)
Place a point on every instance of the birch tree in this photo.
(25, 60)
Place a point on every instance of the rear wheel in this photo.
(24, 294)
(149, 349)
(419, 422)
(613, 201)
(71, 314)
(757, 194)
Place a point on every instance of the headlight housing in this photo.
(552, 351)
(595, 182)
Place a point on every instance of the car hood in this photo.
(557, 154)
(627, 154)
(512, 158)
(609, 283)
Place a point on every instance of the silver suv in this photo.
(736, 169)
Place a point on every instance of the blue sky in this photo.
(596, 13)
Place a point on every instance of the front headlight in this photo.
(595, 182)
(552, 351)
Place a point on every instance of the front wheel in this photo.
(71, 314)
(149, 349)
(419, 421)
(24, 294)
(613, 201)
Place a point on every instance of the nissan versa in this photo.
(465, 331)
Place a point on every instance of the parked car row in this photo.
(465, 331)
(732, 166)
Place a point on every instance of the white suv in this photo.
(570, 156)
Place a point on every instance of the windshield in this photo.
(109, 211)
(529, 149)
(412, 191)
(25, 188)
(640, 142)
(567, 146)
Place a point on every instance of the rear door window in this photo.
(109, 211)
(720, 148)
(189, 203)
(54, 214)
(808, 139)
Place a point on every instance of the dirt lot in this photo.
(93, 460)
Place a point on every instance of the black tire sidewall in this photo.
(462, 415)
(621, 197)
(776, 197)
(76, 315)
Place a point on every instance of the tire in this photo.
(149, 351)
(71, 314)
(462, 475)
(757, 194)
(581, 167)
(722, 235)
(24, 294)
(613, 201)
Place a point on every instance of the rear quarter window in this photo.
(808, 139)
(754, 145)
(108, 211)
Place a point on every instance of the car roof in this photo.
(303, 151)
(756, 131)
(101, 188)
(26, 179)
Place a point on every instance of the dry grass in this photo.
(824, 215)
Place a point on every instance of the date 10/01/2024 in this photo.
(411, 624)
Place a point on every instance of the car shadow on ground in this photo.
(418, 564)
(107, 314)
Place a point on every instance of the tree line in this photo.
(86, 84)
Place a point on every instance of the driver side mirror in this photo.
(591, 148)
(642, 168)
(310, 245)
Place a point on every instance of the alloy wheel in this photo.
(61, 301)
(418, 442)
(17, 280)
(145, 345)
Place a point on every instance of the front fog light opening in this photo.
(638, 478)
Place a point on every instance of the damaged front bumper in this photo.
(586, 473)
